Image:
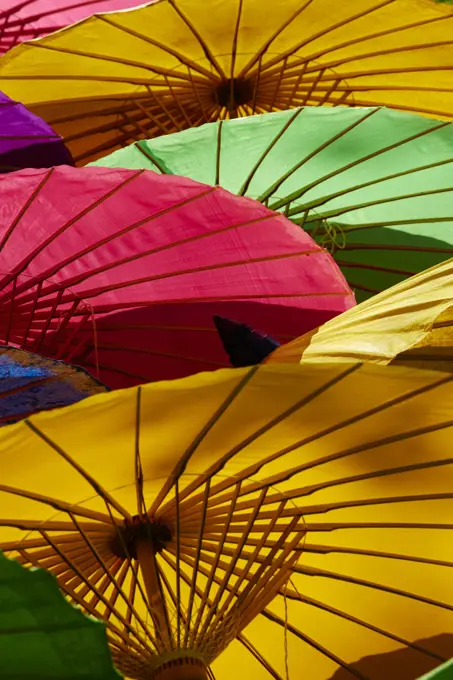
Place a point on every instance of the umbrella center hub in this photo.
(181, 667)
(140, 528)
(234, 92)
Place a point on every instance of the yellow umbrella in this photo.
(173, 64)
(274, 522)
(410, 323)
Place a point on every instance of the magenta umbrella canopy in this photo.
(27, 19)
(26, 141)
(121, 271)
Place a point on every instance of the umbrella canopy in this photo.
(31, 383)
(26, 19)
(26, 140)
(42, 636)
(253, 519)
(122, 271)
(411, 324)
(171, 65)
(372, 185)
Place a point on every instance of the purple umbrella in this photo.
(26, 141)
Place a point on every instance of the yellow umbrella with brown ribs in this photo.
(119, 77)
(267, 522)
(408, 324)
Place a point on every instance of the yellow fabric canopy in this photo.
(410, 323)
(281, 521)
(173, 64)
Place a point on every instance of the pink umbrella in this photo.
(26, 19)
(122, 271)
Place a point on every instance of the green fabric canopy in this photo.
(374, 185)
(42, 636)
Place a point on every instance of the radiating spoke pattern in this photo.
(128, 268)
(22, 20)
(321, 524)
(170, 65)
(371, 185)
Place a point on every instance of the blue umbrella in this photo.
(30, 383)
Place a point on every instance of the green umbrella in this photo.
(374, 185)
(42, 636)
(444, 672)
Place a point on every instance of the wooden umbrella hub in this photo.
(141, 528)
(234, 92)
(181, 668)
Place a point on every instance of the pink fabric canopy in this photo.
(26, 19)
(121, 271)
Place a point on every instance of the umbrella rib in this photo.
(103, 493)
(255, 581)
(234, 48)
(338, 194)
(275, 187)
(132, 591)
(105, 308)
(244, 188)
(334, 526)
(354, 41)
(116, 569)
(326, 507)
(209, 624)
(393, 223)
(312, 571)
(384, 52)
(300, 192)
(24, 264)
(132, 566)
(304, 491)
(159, 71)
(113, 580)
(25, 207)
(254, 469)
(325, 549)
(176, 100)
(94, 292)
(162, 46)
(57, 504)
(259, 585)
(41, 543)
(370, 267)
(324, 32)
(258, 656)
(215, 469)
(372, 36)
(366, 204)
(31, 525)
(101, 597)
(218, 150)
(197, 561)
(269, 590)
(197, 96)
(312, 643)
(181, 465)
(141, 507)
(207, 52)
(353, 619)
(145, 221)
(261, 52)
(215, 562)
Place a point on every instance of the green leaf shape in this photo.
(42, 636)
